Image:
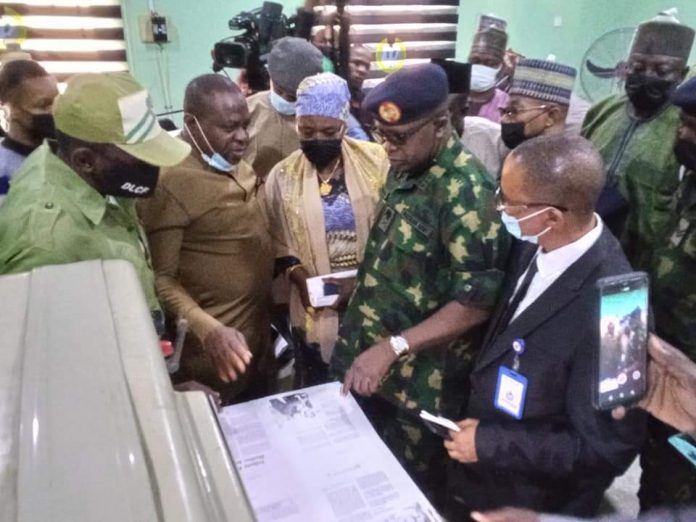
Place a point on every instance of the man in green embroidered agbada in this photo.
(72, 199)
(432, 271)
(634, 134)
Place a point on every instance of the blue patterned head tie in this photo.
(324, 94)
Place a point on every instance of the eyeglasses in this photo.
(500, 204)
(398, 138)
(512, 112)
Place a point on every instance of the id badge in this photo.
(684, 445)
(510, 392)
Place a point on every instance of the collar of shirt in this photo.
(552, 264)
(90, 202)
(559, 260)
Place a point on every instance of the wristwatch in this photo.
(399, 345)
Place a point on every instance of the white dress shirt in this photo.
(551, 265)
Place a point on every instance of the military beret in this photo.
(458, 75)
(685, 96)
(408, 94)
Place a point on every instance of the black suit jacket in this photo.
(563, 454)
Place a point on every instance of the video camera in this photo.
(249, 50)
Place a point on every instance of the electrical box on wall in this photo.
(154, 29)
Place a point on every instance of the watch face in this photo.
(399, 345)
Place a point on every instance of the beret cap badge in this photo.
(389, 112)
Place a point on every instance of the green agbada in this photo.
(437, 238)
(673, 274)
(638, 156)
(52, 216)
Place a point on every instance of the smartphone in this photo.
(438, 425)
(621, 360)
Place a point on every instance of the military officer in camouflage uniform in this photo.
(432, 271)
(667, 477)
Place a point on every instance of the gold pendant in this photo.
(325, 188)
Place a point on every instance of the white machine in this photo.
(90, 427)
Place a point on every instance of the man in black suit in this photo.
(532, 437)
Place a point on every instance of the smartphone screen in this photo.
(623, 329)
(330, 289)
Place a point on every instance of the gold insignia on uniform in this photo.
(389, 112)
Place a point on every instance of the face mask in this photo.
(685, 151)
(483, 78)
(42, 127)
(646, 93)
(321, 152)
(128, 182)
(216, 161)
(512, 225)
(282, 105)
(512, 134)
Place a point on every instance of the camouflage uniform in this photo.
(668, 478)
(437, 238)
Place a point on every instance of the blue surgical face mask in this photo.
(282, 105)
(216, 161)
(483, 78)
(512, 224)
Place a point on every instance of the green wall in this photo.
(197, 24)
(531, 23)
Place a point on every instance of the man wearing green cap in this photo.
(634, 133)
(72, 199)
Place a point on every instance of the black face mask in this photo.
(42, 127)
(512, 134)
(685, 151)
(647, 93)
(129, 182)
(321, 152)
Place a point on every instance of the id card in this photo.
(510, 392)
(684, 445)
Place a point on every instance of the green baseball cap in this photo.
(114, 108)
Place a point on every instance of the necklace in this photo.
(325, 186)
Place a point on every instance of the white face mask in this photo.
(483, 78)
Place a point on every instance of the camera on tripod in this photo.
(248, 50)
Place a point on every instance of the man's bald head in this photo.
(564, 170)
(202, 92)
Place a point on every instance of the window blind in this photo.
(426, 28)
(67, 36)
